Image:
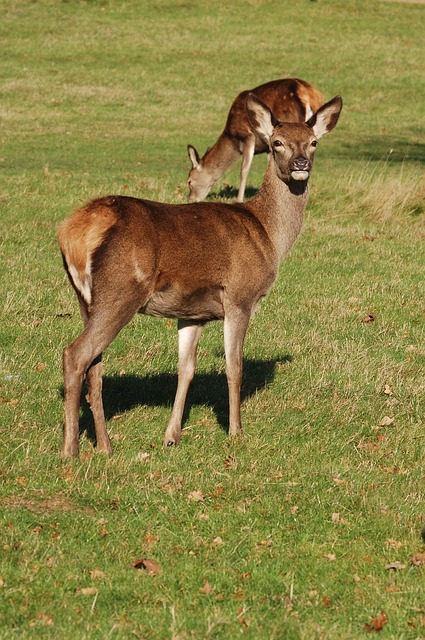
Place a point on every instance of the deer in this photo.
(289, 99)
(193, 262)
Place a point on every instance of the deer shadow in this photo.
(123, 393)
(231, 193)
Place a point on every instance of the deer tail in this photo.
(79, 237)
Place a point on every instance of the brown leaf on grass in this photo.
(150, 539)
(230, 462)
(326, 602)
(218, 541)
(418, 559)
(218, 491)
(388, 390)
(40, 366)
(97, 574)
(378, 623)
(42, 620)
(386, 421)
(337, 517)
(242, 619)
(394, 544)
(265, 543)
(395, 566)
(196, 496)
(207, 589)
(368, 445)
(88, 591)
(330, 556)
(369, 318)
(151, 567)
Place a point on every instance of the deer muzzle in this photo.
(300, 169)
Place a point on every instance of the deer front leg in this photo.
(235, 327)
(247, 156)
(188, 336)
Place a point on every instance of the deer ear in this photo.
(325, 119)
(194, 156)
(260, 117)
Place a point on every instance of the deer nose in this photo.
(301, 164)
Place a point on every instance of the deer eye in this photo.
(314, 143)
(277, 143)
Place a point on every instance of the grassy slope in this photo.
(103, 97)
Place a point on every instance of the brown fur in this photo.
(81, 234)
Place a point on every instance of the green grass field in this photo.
(310, 527)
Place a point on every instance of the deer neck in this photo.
(219, 158)
(280, 209)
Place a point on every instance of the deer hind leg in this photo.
(94, 393)
(247, 156)
(94, 398)
(235, 327)
(189, 333)
(84, 356)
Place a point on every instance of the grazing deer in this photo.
(290, 100)
(193, 262)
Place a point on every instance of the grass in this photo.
(290, 532)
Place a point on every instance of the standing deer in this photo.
(290, 100)
(193, 262)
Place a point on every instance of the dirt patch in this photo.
(46, 506)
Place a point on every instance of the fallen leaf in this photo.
(207, 589)
(337, 517)
(196, 496)
(377, 623)
(369, 318)
(394, 544)
(152, 568)
(418, 559)
(326, 602)
(242, 619)
(40, 366)
(217, 541)
(395, 566)
(387, 390)
(89, 591)
(230, 462)
(150, 539)
(42, 619)
(386, 421)
(97, 574)
(330, 556)
(265, 543)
